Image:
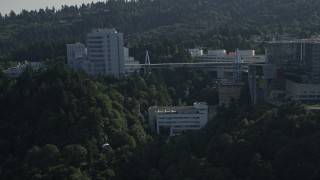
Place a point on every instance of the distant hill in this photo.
(42, 34)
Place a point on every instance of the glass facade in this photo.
(299, 56)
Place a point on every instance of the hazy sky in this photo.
(17, 5)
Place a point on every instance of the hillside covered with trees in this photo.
(55, 121)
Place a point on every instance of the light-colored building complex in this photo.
(105, 54)
(16, 71)
(306, 93)
(227, 65)
(175, 120)
(222, 56)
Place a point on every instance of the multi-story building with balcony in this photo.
(248, 56)
(227, 65)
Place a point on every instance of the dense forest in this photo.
(55, 121)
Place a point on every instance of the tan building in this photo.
(229, 91)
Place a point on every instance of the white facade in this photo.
(196, 52)
(228, 65)
(15, 72)
(105, 54)
(176, 120)
(218, 53)
(222, 56)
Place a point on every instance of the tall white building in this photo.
(105, 52)
(104, 55)
(174, 120)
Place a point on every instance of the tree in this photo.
(12, 14)
(260, 168)
(44, 157)
(66, 172)
(74, 155)
(219, 174)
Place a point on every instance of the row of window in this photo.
(95, 42)
(95, 37)
(99, 55)
(95, 46)
(311, 92)
(192, 126)
(98, 42)
(176, 122)
(96, 50)
(310, 96)
(99, 46)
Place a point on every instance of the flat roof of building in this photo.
(177, 107)
(171, 107)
